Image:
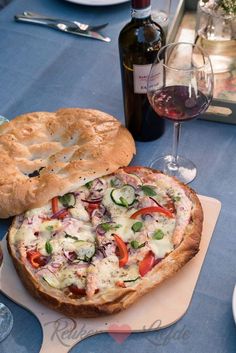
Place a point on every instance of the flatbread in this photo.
(46, 154)
(113, 240)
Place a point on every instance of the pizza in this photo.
(45, 154)
(97, 250)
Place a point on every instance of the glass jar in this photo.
(216, 33)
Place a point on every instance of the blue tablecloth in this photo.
(41, 69)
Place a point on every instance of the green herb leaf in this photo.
(109, 226)
(65, 199)
(136, 227)
(49, 228)
(135, 244)
(70, 236)
(148, 190)
(89, 184)
(176, 198)
(86, 259)
(158, 234)
(106, 226)
(48, 247)
(124, 202)
(132, 280)
(113, 184)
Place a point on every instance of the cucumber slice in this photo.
(124, 196)
(85, 250)
(51, 280)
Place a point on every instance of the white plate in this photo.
(97, 2)
(234, 303)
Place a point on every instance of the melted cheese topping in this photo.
(79, 249)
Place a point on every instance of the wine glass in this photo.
(6, 318)
(179, 88)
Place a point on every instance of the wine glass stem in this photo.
(176, 137)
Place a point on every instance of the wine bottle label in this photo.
(141, 73)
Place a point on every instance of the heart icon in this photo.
(119, 332)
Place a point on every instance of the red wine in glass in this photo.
(180, 87)
(177, 103)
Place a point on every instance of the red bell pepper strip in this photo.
(152, 209)
(168, 205)
(147, 263)
(62, 214)
(36, 259)
(120, 284)
(91, 207)
(56, 213)
(123, 252)
(55, 206)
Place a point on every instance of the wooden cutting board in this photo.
(158, 309)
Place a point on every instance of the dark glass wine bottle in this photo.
(139, 42)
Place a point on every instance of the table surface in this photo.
(41, 69)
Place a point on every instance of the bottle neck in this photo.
(140, 9)
(141, 13)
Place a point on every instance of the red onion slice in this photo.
(55, 264)
(101, 252)
(157, 203)
(147, 217)
(98, 212)
(98, 183)
(94, 198)
(100, 230)
(30, 220)
(157, 261)
(82, 265)
(70, 255)
(58, 213)
(97, 200)
(97, 190)
(77, 193)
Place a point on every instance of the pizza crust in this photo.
(115, 299)
(69, 148)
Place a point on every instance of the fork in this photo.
(64, 26)
(81, 26)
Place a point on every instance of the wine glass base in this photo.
(184, 170)
(6, 321)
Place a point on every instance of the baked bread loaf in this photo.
(97, 250)
(47, 154)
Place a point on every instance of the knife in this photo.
(63, 26)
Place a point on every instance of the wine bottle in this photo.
(139, 42)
